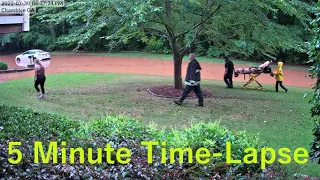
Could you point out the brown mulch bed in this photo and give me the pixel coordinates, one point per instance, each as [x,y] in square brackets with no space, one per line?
[168,91]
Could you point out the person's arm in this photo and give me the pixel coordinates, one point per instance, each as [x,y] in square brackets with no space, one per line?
[198,68]
[280,72]
[225,69]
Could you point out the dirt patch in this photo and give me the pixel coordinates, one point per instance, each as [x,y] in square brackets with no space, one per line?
[144,66]
[171,92]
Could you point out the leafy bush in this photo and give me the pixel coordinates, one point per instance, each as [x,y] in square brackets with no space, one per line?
[155,45]
[26,169]
[27,126]
[213,137]
[138,168]
[24,123]
[214,52]
[313,49]
[315,145]
[201,50]
[114,125]
[3,66]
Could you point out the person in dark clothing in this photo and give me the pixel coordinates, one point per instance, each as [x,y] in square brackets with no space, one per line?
[39,78]
[192,81]
[228,73]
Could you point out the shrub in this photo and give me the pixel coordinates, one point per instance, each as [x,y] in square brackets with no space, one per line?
[201,50]
[24,123]
[315,145]
[27,126]
[313,50]
[114,125]
[214,52]
[155,45]
[213,136]
[138,168]
[3,66]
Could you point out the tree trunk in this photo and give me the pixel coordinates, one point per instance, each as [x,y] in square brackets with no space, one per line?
[177,60]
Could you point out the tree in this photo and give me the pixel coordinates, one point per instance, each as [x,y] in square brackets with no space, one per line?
[314,57]
[182,21]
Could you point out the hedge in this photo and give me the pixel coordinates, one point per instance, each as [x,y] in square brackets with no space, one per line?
[27,126]
[3,65]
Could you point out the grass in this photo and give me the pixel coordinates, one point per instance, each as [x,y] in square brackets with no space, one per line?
[169,57]
[282,120]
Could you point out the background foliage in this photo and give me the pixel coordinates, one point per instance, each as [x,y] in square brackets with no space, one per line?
[243,29]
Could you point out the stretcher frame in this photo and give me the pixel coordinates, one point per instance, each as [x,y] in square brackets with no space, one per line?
[253,78]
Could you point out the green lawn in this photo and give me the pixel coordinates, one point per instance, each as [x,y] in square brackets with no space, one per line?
[169,57]
[282,120]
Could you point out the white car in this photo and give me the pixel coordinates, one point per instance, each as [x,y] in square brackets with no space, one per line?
[28,57]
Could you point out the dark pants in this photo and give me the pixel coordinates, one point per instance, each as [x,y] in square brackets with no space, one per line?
[41,79]
[277,84]
[196,89]
[228,80]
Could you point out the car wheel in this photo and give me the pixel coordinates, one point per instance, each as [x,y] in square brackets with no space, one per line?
[18,60]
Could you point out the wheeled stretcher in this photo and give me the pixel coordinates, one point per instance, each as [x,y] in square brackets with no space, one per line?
[254,73]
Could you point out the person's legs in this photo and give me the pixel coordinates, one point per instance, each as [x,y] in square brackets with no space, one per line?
[226,80]
[40,81]
[36,84]
[42,85]
[230,80]
[277,84]
[284,88]
[185,93]
[198,92]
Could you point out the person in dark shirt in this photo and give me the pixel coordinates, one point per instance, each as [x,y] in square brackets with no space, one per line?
[228,73]
[192,81]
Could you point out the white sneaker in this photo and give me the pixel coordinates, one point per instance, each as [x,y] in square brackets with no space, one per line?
[41,96]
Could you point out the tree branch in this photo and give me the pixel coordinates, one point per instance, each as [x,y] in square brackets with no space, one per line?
[161,20]
[186,48]
[201,22]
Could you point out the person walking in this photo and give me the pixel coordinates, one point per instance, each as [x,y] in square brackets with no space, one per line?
[228,72]
[279,76]
[39,78]
[192,81]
